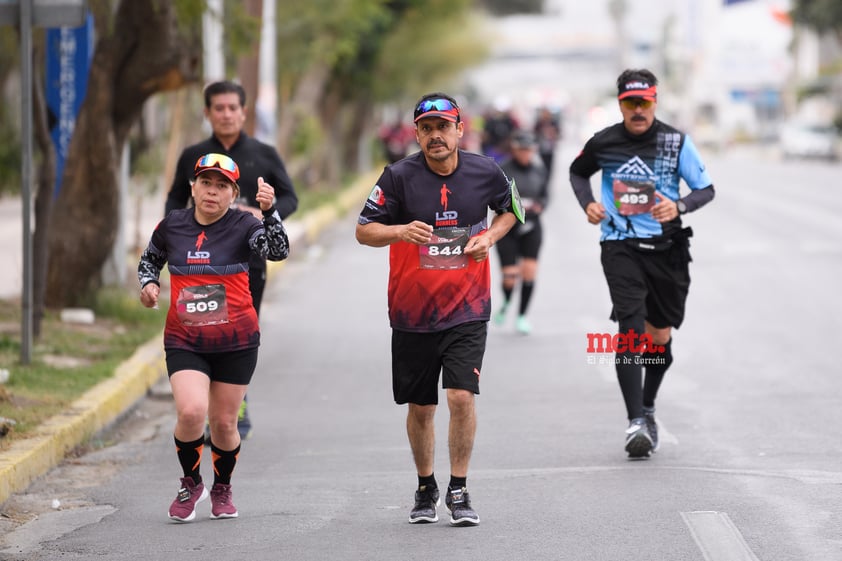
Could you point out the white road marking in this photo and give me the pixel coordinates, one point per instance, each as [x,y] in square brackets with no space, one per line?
[717,536]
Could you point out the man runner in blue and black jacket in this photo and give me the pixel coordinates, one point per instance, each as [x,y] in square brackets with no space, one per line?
[645,248]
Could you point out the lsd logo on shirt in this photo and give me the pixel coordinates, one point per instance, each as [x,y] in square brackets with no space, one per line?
[199,257]
[446,217]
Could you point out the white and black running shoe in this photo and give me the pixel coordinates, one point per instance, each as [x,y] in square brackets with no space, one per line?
[638,442]
[458,502]
[426,500]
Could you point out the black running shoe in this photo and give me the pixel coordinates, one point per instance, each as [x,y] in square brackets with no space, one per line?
[458,502]
[638,441]
[651,426]
[426,500]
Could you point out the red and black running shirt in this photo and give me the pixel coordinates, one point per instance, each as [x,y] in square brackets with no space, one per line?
[435,287]
[210,302]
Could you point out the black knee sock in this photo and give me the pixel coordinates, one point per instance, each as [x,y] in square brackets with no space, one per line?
[525,295]
[457,482]
[629,369]
[629,376]
[509,282]
[190,457]
[656,364]
[507,294]
[223,464]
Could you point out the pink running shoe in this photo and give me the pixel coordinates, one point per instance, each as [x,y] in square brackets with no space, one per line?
[221,505]
[183,508]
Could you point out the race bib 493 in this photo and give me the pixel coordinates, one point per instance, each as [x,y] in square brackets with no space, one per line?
[633,197]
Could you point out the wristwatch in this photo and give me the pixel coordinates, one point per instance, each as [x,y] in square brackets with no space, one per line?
[682,208]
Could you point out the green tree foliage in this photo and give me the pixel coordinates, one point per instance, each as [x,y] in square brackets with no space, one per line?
[411,62]
[510,7]
[338,60]
[10,152]
[820,15]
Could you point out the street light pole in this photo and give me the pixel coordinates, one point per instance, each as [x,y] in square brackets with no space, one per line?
[26,175]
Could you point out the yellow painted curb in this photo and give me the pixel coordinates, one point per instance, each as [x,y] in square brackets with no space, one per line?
[27,460]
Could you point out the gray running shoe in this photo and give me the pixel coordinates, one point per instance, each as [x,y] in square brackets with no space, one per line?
[426,500]
[638,441]
[458,502]
[651,426]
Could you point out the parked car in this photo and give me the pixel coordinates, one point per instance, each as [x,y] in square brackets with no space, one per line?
[810,140]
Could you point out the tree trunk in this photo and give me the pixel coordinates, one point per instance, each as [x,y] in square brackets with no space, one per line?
[43,197]
[138,54]
[361,116]
[305,101]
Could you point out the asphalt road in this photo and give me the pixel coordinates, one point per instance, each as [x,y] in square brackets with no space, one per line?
[749,467]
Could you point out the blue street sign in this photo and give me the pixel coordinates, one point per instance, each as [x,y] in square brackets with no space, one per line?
[69,54]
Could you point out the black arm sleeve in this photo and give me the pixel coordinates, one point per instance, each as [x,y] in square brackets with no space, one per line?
[698,198]
[582,190]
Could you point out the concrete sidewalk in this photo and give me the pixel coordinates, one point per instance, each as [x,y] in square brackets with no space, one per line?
[26,460]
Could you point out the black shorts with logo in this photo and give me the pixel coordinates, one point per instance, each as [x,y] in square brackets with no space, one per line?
[419,358]
[648,278]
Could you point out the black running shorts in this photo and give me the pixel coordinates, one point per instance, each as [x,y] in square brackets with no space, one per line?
[523,240]
[644,282]
[419,358]
[236,367]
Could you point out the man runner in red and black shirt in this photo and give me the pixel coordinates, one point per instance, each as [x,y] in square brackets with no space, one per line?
[431,209]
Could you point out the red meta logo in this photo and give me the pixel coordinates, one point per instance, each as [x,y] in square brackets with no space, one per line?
[622,342]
